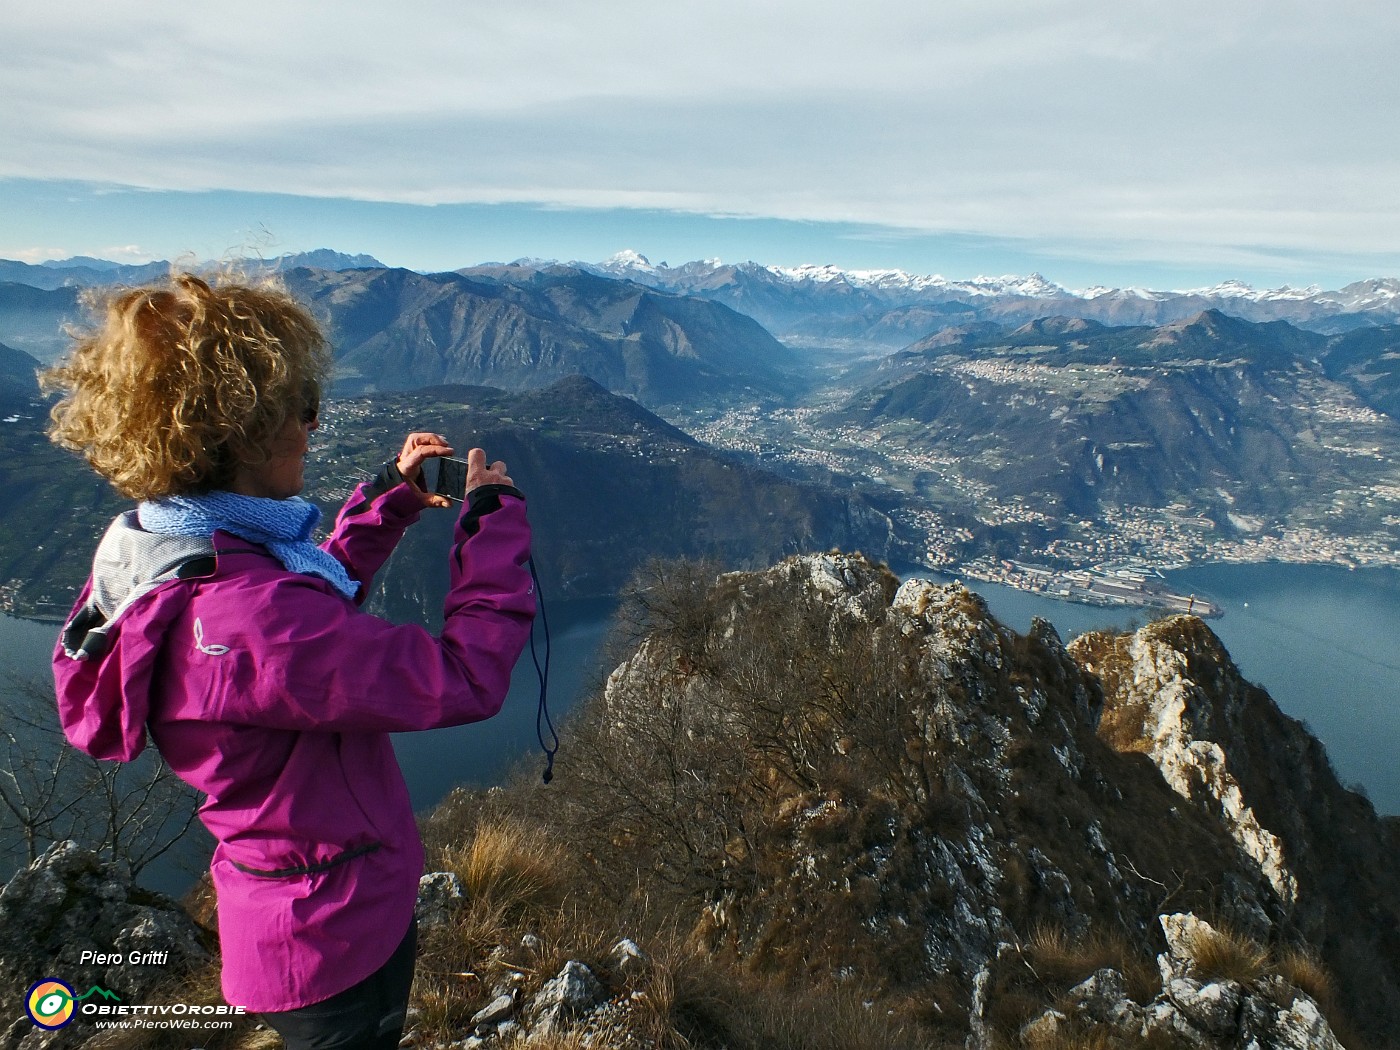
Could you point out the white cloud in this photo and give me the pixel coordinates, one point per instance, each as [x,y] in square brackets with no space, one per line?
[126,253]
[1191,126]
[34,255]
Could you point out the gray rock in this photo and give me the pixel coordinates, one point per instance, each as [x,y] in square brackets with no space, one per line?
[1214,1007]
[440,897]
[71,901]
[627,959]
[568,995]
[1103,999]
[494,1012]
[1182,931]
[1302,1027]
[1049,1026]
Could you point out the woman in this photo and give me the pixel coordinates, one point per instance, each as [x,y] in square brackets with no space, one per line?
[214,622]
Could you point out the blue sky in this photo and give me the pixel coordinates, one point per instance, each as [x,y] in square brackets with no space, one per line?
[1171,146]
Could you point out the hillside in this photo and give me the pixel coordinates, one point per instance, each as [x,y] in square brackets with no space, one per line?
[395,329]
[1199,433]
[32,319]
[922,824]
[17,384]
[999,433]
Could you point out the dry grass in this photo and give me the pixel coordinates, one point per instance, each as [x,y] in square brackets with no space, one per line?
[711,1005]
[515,882]
[1084,1036]
[1092,1040]
[1049,963]
[570,1040]
[1302,969]
[1063,961]
[1224,955]
[514,867]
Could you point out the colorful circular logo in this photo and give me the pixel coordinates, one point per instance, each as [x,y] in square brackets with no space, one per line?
[50,1003]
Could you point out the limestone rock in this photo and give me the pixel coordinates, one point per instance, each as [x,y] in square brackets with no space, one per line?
[566,996]
[71,901]
[494,1012]
[627,959]
[440,896]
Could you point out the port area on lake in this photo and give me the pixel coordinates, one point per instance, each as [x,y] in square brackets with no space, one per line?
[1130,584]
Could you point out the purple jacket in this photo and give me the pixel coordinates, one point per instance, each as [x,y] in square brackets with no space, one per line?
[274,696]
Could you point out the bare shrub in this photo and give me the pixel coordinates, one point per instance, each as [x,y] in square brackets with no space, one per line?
[1122,725]
[132,813]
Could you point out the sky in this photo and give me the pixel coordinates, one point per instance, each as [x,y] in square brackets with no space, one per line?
[1094,141]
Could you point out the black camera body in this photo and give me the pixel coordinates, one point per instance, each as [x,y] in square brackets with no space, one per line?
[446,476]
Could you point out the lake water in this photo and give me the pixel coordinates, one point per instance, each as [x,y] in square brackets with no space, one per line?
[1319,639]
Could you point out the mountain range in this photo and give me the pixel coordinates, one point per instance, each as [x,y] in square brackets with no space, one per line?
[1216,425]
[890,308]
[396,329]
[1060,436]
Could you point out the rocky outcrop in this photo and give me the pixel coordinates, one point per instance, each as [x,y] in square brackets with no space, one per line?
[824,778]
[574,1000]
[874,782]
[1193,1009]
[1184,727]
[73,916]
[1224,747]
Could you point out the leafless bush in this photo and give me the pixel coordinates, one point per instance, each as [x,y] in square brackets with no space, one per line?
[130,812]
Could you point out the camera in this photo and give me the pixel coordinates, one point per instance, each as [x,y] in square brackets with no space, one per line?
[446,476]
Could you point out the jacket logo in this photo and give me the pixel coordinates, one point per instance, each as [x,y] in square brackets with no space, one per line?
[209,650]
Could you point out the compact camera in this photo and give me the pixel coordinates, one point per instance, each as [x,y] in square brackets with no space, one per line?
[446,476]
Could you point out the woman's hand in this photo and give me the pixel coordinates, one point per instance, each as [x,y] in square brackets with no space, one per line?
[478,473]
[417,448]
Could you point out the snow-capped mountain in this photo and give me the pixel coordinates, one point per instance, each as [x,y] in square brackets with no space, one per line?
[884,307]
[635,266]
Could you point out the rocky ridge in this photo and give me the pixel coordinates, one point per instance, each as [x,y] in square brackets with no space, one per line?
[920,821]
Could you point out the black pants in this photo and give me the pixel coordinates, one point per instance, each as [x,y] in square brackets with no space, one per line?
[367,1016]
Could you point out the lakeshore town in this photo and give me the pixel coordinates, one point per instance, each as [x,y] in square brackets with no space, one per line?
[1118,560]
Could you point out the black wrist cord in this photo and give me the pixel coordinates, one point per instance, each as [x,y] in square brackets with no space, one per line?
[542,719]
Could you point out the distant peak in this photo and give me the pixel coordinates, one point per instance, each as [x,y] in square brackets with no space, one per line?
[1059,326]
[327,259]
[627,259]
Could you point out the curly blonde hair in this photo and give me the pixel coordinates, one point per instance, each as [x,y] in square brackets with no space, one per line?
[180,383]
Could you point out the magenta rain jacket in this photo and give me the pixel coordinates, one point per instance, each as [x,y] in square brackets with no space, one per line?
[274,695]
